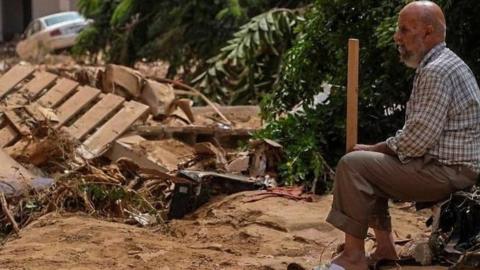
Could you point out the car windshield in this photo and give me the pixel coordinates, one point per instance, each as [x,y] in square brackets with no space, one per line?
[62,18]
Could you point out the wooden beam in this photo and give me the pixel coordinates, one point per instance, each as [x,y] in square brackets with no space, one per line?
[96,144]
[13,77]
[17,122]
[352,94]
[30,90]
[124,148]
[76,103]
[59,92]
[7,135]
[99,112]
[41,81]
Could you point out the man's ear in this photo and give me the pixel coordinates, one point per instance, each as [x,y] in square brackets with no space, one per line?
[429,30]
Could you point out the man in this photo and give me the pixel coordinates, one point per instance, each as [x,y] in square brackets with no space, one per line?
[435,153]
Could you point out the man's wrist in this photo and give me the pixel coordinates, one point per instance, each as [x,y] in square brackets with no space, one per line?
[382,147]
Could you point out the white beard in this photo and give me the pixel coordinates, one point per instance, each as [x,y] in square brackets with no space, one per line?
[411,59]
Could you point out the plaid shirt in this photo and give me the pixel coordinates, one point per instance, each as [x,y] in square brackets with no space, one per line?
[442,114]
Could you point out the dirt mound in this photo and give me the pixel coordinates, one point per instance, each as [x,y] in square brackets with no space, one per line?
[228,233]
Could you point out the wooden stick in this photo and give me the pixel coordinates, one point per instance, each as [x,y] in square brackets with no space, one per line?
[352,94]
[184,86]
[7,213]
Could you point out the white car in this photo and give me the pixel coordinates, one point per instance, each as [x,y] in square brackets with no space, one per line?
[50,33]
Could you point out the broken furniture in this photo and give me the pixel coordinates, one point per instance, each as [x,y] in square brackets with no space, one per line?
[88,115]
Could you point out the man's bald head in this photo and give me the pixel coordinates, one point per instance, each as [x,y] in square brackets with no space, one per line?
[428,13]
[421,26]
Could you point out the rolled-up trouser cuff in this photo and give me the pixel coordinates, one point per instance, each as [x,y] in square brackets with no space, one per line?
[347,224]
[382,223]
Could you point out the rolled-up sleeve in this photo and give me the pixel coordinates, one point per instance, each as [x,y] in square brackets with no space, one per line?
[426,119]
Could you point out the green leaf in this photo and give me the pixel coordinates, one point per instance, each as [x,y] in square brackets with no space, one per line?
[263,24]
[256,38]
[270,19]
[229,47]
[122,12]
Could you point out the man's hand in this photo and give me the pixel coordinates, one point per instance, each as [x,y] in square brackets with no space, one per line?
[363,147]
[380,147]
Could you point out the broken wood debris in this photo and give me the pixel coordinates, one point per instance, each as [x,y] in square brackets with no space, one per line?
[79,109]
[51,124]
[130,83]
[266,155]
[6,212]
[292,193]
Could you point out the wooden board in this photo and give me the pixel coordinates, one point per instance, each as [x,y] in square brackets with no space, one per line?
[30,90]
[17,122]
[41,114]
[41,81]
[7,135]
[123,148]
[75,103]
[87,122]
[60,91]
[14,76]
[113,128]
[352,94]
[12,172]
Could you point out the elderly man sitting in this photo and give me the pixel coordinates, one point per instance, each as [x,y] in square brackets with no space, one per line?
[437,151]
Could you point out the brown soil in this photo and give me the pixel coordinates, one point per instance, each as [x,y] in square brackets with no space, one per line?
[226,234]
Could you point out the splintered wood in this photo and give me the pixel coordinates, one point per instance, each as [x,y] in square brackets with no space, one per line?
[95,119]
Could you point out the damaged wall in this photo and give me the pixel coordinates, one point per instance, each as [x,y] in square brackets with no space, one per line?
[16,15]
[46,7]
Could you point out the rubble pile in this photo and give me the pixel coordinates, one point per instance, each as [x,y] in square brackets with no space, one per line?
[116,144]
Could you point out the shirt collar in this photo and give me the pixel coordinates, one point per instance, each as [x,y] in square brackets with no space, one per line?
[435,51]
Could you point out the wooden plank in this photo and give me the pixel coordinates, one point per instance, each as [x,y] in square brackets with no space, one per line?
[17,122]
[41,81]
[54,96]
[113,128]
[13,77]
[123,148]
[75,103]
[7,135]
[31,90]
[14,173]
[87,122]
[238,111]
[352,94]
[40,113]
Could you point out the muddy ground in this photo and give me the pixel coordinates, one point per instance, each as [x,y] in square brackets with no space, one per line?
[227,233]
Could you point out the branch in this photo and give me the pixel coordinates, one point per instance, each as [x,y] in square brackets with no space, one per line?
[7,213]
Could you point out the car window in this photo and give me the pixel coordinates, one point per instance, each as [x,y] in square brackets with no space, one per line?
[62,18]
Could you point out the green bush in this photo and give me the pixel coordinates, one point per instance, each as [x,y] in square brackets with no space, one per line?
[320,55]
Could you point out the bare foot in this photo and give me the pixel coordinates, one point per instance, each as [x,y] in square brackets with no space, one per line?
[382,254]
[385,247]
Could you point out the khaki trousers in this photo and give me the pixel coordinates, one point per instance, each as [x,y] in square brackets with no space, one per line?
[364,182]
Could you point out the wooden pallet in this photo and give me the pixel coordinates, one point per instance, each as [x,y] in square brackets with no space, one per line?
[93,118]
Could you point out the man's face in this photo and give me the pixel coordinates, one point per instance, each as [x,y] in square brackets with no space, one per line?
[409,38]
